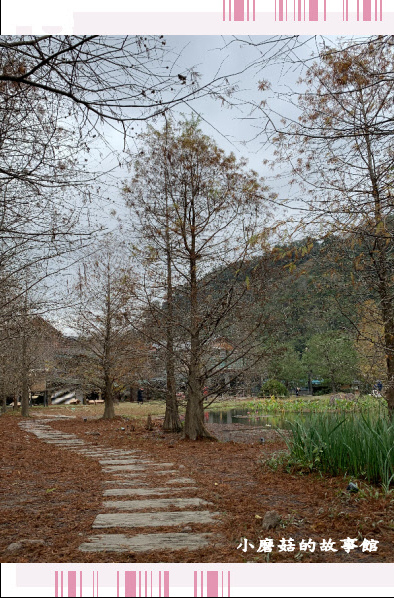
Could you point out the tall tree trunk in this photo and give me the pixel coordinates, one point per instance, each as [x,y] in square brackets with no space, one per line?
[310,386]
[389,346]
[387,309]
[172,422]
[382,268]
[194,419]
[109,407]
[25,376]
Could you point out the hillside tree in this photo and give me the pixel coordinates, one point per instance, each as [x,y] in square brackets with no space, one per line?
[340,158]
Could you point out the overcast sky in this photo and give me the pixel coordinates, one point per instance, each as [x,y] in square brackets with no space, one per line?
[237,129]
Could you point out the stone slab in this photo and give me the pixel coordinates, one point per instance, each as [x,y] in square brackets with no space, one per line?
[135,467]
[98,454]
[61,438]
[145,542]
[127,474]
[163,519]
[142,491]
[125,468]
[65,442]
[122,476]
[123,461]
[109,454]
[135,483]
[181,481]
[58,437]
[165,472]
[50,416]
[154,503]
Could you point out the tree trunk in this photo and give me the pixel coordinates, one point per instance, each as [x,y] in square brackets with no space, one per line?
[335,385]
[310,387]
[109,408]
[172,422]
[16,397]
[25,395]
[194,418]
[389,342]
[387,310]
[3,403]
[25,378]
[382,267]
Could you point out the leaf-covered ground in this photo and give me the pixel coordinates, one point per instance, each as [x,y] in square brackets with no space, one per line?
[53,495]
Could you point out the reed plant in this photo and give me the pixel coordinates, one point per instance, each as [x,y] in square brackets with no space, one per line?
[359,444]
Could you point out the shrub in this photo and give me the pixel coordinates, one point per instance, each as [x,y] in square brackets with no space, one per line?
[273,388]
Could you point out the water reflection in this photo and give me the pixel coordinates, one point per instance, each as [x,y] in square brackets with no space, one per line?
[251,418]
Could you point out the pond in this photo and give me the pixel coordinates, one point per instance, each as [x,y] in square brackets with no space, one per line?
[250,418]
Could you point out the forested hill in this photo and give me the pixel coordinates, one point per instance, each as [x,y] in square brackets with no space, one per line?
[309,288]
[318,292]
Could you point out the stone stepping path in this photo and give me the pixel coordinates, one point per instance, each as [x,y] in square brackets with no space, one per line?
[99,456]
[180,481]
[129,468]
[117,477]
[137,482]
[124,461]
[154,503]
[145,542]
[166,519]
[143,491]
[115,468]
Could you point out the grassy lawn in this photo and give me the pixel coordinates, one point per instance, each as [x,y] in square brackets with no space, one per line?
[157,408]
[133,410]
[290,404]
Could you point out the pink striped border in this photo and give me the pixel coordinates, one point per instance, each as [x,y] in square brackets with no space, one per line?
[197,577]
[236,10]
[212,584]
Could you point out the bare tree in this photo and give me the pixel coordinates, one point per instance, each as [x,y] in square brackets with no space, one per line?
[105,289]
[59,96]
[28,345]
[45,185]
[340,159]
[117,79]
[203,213]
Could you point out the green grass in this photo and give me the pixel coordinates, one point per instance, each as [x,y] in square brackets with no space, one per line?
[130,410]
[313,405]
[359,444]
